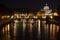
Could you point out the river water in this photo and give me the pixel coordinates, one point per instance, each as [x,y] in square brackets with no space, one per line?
[29,30]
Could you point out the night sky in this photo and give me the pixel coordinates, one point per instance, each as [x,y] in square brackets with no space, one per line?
[32,4]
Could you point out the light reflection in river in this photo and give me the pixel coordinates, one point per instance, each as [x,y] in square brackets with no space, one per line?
[53,31]
[6,33]
[34,27]
[39,29]
[15,26]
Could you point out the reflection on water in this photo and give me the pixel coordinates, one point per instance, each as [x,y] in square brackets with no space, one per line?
[6,33]
[53,31]
[29,30]
[39,30]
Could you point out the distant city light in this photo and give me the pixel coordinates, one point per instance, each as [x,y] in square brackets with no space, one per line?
[55,14]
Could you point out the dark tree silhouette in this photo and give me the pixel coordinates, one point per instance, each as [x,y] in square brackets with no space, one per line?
[58,18]
[4,10]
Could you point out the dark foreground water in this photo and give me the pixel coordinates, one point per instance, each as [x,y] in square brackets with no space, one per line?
[30,30]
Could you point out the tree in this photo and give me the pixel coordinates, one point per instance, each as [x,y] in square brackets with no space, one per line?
[4,10]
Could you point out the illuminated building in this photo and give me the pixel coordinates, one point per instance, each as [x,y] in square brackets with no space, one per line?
[43,13]
[47,10]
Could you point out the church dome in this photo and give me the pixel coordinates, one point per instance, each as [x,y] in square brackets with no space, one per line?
[46,7]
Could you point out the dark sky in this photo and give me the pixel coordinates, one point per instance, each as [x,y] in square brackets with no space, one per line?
[32,4]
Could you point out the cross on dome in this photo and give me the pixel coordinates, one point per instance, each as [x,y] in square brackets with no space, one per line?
[46,4]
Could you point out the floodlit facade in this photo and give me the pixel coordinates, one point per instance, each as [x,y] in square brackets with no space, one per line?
[46,11]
